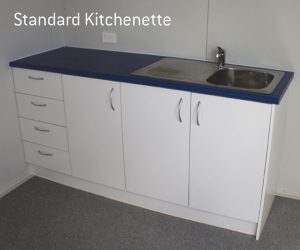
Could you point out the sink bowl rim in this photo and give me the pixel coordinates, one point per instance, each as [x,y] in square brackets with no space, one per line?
[209,68]
[277,76]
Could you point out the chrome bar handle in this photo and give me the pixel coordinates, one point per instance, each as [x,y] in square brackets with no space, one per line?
[41,129]
[38,104]
[198,108]
[111,99]
[36,78]
[179,110]
[44,154]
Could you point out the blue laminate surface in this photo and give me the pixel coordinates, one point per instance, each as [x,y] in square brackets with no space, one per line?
[118,66]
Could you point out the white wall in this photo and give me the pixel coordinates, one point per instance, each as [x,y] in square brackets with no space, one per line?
[186,37]
[16,43]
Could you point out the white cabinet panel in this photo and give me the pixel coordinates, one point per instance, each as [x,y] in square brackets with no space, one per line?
[228,154]
[156,143]
[38,83]
[50,158]
[41,109]
[93,114]
[44,133]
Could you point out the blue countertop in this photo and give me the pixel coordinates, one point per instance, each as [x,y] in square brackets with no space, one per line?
[118,66]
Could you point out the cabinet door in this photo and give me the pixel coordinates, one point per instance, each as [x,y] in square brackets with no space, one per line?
[93,114]
[156,124]
[229,140]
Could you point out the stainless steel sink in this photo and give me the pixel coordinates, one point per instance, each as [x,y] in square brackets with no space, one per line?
[207,73]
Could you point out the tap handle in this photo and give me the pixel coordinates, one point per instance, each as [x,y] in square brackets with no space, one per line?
[220,51]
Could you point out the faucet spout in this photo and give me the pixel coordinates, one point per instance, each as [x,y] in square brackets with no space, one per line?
[220,57]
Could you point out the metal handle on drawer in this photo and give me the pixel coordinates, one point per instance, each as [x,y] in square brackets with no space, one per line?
[198,110]
[44,154]
[36,78]
[179,110]
[111,99]
[39,104]
[41,129]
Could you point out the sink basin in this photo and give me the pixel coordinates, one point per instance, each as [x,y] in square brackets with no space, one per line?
[241,78]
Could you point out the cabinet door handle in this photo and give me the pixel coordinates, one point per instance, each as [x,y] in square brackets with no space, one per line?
[44,154]
[179,110]
[36,78]
[198,110]
[41,129]
[39,104]
[111,99]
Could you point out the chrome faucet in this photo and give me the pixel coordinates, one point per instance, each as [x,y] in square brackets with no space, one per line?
[220,57]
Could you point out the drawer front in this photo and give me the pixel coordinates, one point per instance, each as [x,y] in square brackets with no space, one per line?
[38,83]
[41,109]
[50,158]
[44,133]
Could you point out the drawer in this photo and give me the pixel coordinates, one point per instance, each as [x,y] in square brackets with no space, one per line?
[41,109]
[44,133]
[50,158]
[38,83]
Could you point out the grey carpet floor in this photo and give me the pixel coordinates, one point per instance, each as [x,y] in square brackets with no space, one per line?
[43,215]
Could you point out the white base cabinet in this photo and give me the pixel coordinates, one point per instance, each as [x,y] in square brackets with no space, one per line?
[93,114]
[229,140]
[156,125]
[205,158]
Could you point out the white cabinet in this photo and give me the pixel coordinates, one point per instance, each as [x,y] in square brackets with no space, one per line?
[213,156]
[156,124]
[229,140]
[93,114]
